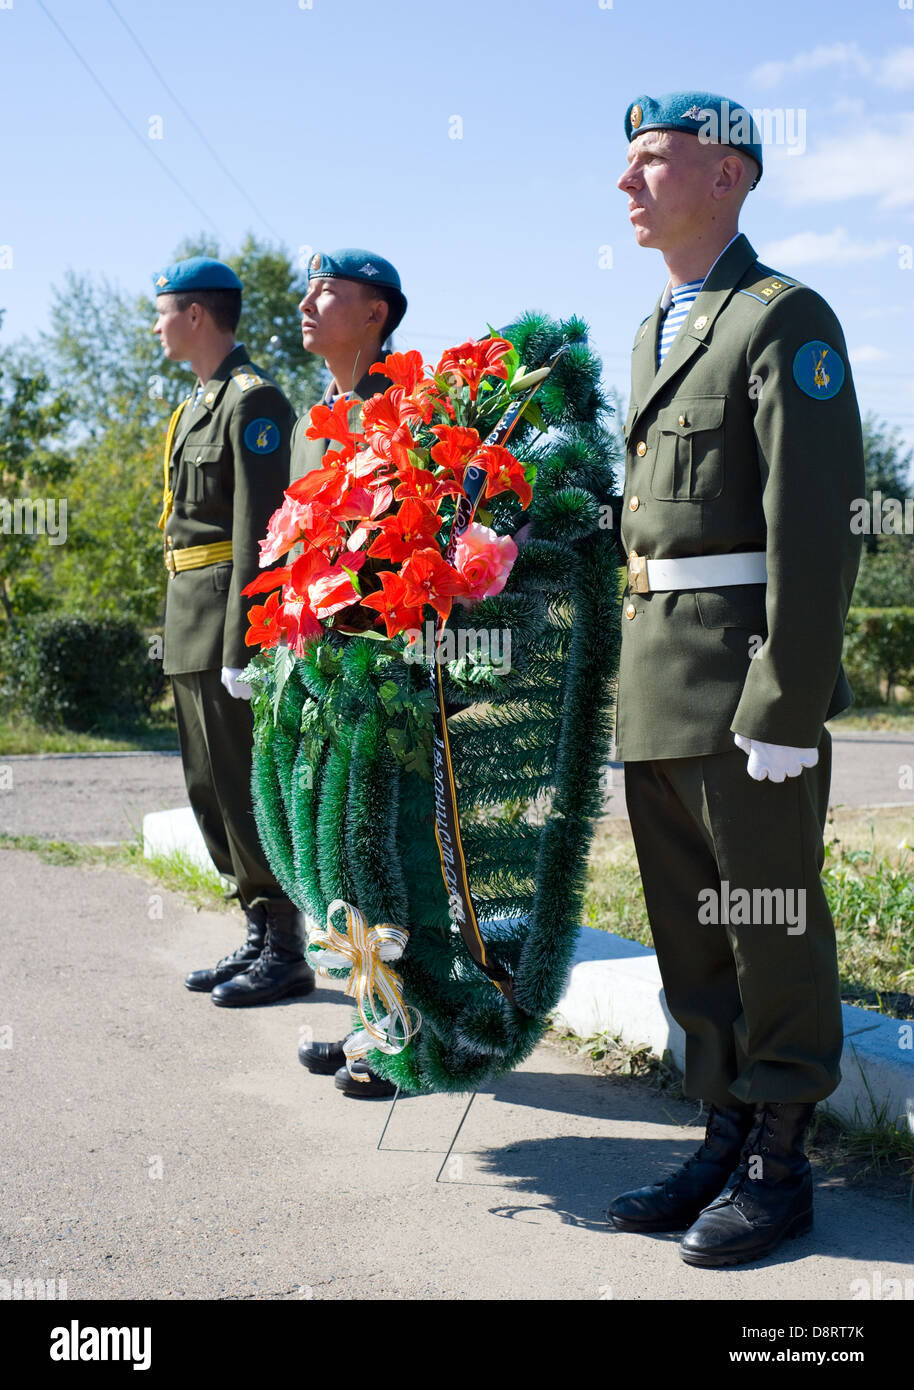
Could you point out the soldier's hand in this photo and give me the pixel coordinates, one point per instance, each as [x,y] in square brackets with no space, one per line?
[233,685]
[775,760]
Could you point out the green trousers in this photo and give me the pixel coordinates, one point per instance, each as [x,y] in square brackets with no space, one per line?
[757,997]
[216,734]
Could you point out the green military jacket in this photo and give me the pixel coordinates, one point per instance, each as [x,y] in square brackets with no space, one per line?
[748,438]
[308,453]
[229,470]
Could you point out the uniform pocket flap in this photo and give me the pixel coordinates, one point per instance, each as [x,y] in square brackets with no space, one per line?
[204,453]
[740,605]
[687,417]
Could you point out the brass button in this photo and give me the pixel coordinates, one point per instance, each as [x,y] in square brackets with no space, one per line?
[209,397]
[630,610]
[641,449]
[682,420]
[634,503]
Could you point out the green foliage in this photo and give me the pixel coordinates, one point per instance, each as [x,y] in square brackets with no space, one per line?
[80,674]
[879,651]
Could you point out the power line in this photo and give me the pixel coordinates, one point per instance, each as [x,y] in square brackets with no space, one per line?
[127,122]
[190,120]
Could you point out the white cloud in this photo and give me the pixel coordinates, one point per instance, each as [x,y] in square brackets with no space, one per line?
[898,69]
[862,356]
[824,248]
[846,56]
[872,163]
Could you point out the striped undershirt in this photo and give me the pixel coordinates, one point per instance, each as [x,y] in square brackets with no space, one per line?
[683,297]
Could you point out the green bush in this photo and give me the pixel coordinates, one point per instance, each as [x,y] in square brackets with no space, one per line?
[879,652]
[79,673]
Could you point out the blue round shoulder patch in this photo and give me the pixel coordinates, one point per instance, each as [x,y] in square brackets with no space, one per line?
[818,370]
[262,436]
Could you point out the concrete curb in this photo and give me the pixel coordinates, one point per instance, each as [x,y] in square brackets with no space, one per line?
[615,987]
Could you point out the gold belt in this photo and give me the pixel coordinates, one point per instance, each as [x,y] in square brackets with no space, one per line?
[194,557]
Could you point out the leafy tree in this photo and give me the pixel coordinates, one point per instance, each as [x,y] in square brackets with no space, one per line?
[33,469]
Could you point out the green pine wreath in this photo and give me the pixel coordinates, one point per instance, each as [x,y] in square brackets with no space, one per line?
[341,776]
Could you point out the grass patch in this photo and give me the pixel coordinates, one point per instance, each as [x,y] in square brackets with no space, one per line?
[203,887]
[874,718]
[869,881]
[20,735]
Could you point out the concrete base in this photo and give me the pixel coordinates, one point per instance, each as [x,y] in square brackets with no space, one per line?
[615,987]
[168,832]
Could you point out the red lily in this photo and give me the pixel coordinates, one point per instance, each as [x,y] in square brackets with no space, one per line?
[265,630]
[334,589]
[385,431]
[299,623]
[401,369]
[430,579]
[420,483]
[412,527]
[270,579]
[332,422]
[392,606]
[506,473]
[456,445]
[470,362]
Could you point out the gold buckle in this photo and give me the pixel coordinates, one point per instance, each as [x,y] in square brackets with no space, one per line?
[637,573]
[169,558]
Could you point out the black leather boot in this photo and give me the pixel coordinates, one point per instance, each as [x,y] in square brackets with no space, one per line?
[369,1089]
[673,1203]
[768,1197]
[279,970]
[239,960]
[323,1058]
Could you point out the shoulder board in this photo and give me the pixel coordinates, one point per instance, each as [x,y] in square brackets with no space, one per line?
[244,378]
[767,287]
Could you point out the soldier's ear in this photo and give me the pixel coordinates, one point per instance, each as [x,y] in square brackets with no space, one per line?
[379,311]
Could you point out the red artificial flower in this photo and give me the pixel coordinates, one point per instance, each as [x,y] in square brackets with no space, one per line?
[423,485]
[392,605]
[332,422]
[506,473]
[470,362]
[456,445]
[412,527]
[387,434]
[299,623]
[401,369]
[334,589]
[270,579]
[430,579]
[264,628]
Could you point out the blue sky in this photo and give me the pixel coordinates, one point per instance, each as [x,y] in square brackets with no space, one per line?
[338,121]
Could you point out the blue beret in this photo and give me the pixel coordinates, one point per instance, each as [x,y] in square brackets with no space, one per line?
[714,119]
[197,273]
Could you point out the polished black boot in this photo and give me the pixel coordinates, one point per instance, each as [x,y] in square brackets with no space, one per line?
[325,1059]
[370,1089]
[673,1203]
[768,1197]
[240,959]
[279,970]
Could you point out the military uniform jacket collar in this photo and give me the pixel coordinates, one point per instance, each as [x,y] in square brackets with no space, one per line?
[723,278]
[211,393]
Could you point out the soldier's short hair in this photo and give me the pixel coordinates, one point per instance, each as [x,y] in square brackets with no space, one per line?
[396,307]
[223,306]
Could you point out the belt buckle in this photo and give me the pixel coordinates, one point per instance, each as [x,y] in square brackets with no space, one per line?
[637,573]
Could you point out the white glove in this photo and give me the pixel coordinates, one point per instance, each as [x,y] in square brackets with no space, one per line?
[775,760]
[233,685]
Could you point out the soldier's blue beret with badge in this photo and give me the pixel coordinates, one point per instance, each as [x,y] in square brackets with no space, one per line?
[353,263]
[196,273]
[714,119]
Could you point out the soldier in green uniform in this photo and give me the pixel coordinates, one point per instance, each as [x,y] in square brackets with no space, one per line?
[353,305]
[744,453]
[226,468]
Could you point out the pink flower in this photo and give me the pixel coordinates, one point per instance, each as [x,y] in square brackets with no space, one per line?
[285,528]
[484,559]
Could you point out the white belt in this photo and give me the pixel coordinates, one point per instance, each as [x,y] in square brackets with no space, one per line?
[696,571]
